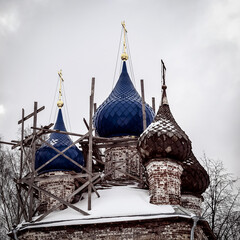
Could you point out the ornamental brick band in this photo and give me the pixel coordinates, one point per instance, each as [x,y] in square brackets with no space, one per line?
[61,185]
[128,159]
[164,177]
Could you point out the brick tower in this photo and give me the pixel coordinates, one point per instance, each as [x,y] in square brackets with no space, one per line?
[175,176]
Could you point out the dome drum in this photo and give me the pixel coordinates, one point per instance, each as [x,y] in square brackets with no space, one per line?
[164,181]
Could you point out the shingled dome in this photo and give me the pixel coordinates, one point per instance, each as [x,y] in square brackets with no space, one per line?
[60,142]
[194,177]
[163,137]
[121,113]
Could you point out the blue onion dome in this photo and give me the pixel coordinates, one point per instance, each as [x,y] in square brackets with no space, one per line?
[194,178]
[164,138]
[121,113]
[59,141]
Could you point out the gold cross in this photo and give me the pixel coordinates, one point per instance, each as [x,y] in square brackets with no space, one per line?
[60,102]
[124,26]
[124,55]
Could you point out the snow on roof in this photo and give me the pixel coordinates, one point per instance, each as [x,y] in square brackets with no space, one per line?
[118,203]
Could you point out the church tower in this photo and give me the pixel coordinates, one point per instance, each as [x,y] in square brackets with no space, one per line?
[120,116]
[175,176]
[56,171]
[167,203]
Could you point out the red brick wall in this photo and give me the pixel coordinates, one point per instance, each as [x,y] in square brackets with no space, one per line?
[58,183]
[192,203]
[128,157]
[164,177]
[178,229]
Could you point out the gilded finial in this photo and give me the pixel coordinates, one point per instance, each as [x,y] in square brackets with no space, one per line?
[60,102]
[124,55]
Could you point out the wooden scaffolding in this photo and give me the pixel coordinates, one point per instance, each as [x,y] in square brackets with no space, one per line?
[91,147]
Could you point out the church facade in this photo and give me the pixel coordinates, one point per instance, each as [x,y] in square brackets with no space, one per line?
[150,184]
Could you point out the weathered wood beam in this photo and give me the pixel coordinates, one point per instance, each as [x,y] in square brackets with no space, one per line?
[95,107]
[46,131]
[62,153]
[130,175]
[143,106]
[31,137]
[153,104]
[107,174]
[8,143]
[86,124]
[22,207]
[31,115]
[30,209]
[67,199]
[99,161]
[90,145]
[25,202]
[21,161]
[59,199]
[113,145]
[125,139]
[72,176]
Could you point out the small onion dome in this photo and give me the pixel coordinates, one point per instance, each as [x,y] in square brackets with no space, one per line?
[194,177]
[121,113]
[59,141]
[163,137]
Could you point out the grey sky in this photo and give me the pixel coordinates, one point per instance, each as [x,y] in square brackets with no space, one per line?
[198,40]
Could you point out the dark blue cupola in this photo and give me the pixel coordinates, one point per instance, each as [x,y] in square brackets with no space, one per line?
[121,113]
[59,141]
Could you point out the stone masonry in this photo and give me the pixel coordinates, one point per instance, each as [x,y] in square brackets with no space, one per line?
[164,177]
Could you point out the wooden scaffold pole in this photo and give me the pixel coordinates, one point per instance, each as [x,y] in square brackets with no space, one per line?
[143,106]
[153,104]
[33,160]
[19,189]
[90,150]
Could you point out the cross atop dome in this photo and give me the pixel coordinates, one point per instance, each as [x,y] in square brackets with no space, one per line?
[60,102]
[164,86]
[124,55]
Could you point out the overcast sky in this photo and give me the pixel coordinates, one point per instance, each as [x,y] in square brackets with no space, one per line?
[199,42]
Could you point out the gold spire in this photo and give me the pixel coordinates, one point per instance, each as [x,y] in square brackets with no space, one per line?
[60,102]
[124,55]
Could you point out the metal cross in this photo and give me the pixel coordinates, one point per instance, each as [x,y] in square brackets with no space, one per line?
[60,87]
[124,26]
[163,71]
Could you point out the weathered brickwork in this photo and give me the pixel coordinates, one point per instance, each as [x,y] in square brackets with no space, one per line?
[192,203]
[58,183]
[164,177]
[180,229]
[128,160]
